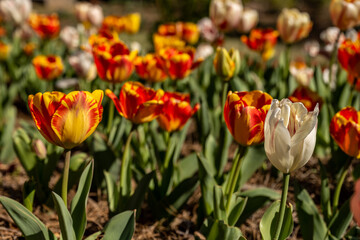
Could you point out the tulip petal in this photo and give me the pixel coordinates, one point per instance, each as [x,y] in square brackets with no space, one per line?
[76,118]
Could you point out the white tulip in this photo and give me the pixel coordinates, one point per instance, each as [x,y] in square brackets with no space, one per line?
[70,36]
[290,134]
[17,11]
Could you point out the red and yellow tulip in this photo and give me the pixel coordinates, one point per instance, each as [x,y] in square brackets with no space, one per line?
[129,23]
[162,42]
[345,130]
[48,67]
[244,114]
[178,63]
[176,111]
[114,61]
[307,97]
[46,26]
[137,103]
[66,120]
[186,31]
[349,58]
[262,41]
[149,68]
[4,50]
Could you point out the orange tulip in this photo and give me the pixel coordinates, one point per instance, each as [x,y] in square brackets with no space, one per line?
[137,103]
[301,72]
[309,98]
[244,114]
[161,42]
[48,67]
[186,31]
[66,120]
[178,63]
[114,61]
[149,68]
[46,26]
[349,58]
[103,36]
[4,50]
[263,41]
[345,130]
[176,111]
[129,23]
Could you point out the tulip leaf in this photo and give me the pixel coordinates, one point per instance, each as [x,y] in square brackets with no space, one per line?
[30,226]
[65,220]
[182,192]
[79,202]
[22,147]
[341,220]
[180,142]
[7,153]
[120,227]
[325,193]
[253,159]
[186,167]
[353,233]
[207,183]
[204,121]
[112,192]
[344,96]
[29,194]
[125,174]
[223,150]
[312,226]
[219,204]
[217,229]
[257,198]
[269,222]
[93,236]
[237,208]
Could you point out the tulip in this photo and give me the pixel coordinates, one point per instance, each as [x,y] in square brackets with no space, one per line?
[29,48]
[39,148]
[293,25]
[149,68]
[66,120]
[70,36]
[83,64]
[16,11]
[137,103]
[186,31]
[114,61]
[190,32]
[5,50]
[345,13]
[227,64]
[48,67]
[345,130]
[244,114]
[89,14]
[46,26]
[132,23]
[290,134]
[312,48]
[262,41]
[355,202]
[178,63]
[176,111]
[203,51]
[248,20]
[208,30]
[225,14]
[349,58]
[307,97]
[301,73]
[163,42]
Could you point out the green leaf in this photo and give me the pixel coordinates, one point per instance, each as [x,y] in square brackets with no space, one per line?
[207,183]
[79,202]
[325,193]
[137,198]
[182,192]
[219,204]
[341,220]
[269,222]
[7,153]
[180,142]
[223,150]
[218,230]
[22,147]
[66,223]
[237,209]
[93,236]
[257,198]
[353,233]
[29,194]
[186,167]
[112,192]
[30,226]
[312,226]
[125,174]
[120,227]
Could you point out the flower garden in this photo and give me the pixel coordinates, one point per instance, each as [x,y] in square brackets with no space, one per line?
[104,138]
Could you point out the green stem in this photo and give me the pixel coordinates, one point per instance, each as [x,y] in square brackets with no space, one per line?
[333,57]
[282,205]
[124,163]
[338,189]
[234,175]
[65,179]
[111,113]
[224,95]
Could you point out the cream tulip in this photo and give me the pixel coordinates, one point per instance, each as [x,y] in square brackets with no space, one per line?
[345,14]
[290,134]
[226,14]
[248,20]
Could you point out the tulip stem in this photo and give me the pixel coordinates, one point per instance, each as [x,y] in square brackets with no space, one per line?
[333,56]
[282,204]
[65,179]
[339,186]
[224,95]
[111,113]
[234,175]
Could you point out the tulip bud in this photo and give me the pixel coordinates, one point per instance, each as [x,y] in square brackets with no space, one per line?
[293,25]
[39,148]
[302,73]
[344,14]
[248,20]
[290,134]
[226,64]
